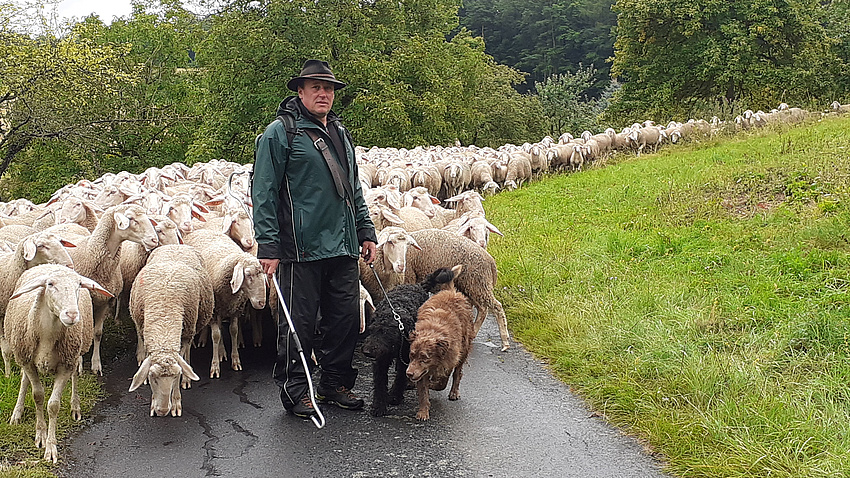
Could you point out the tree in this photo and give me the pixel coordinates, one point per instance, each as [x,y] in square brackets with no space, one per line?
[670,53]
[566,104]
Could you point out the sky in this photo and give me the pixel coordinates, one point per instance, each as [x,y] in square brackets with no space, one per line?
[106,9]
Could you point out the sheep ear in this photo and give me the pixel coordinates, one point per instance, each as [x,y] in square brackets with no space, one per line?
[457,270]
[214,202]
[187,369]
[166,208]
[92,285]
[179,237]
[29,249]
[200,207]
[493,229]
[152,222]
[414,243]
[390,216]
[196,213]
[67,243]
[30,286]
[238,277]
[122,221]
[434,200]
[141,375]
[226,223]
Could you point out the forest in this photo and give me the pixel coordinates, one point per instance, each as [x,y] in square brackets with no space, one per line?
[194,81]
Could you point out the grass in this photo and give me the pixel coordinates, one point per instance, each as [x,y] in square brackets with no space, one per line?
[697,297]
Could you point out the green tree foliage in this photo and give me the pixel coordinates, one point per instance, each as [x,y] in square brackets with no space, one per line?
[545,37]
[408,84]
[95,99]
[566,104]
[670,54]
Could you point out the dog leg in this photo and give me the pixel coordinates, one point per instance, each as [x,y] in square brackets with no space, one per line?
[399,383]
[454,393]
[379,393]
[424,400]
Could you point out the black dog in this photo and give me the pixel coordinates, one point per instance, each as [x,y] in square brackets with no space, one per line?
[385,342]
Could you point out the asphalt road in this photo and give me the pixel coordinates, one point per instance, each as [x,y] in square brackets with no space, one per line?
[513,420]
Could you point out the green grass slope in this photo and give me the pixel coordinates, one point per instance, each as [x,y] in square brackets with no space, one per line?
[697,297]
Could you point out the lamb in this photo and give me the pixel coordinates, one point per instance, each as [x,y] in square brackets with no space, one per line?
[171,298]
[390,264]
[98,257]
[440,248]
[36,249]
[440,345]
[385,342]
[236,277]
[49,324]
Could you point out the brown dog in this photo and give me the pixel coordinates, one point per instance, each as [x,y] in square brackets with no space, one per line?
[440,344]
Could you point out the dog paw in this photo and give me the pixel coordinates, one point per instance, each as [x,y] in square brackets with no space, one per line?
[378,411]
[422,415]
[454,396]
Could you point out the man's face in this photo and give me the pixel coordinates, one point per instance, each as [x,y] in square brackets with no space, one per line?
[317,96]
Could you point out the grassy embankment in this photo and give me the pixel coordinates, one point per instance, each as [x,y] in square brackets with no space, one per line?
[697,297]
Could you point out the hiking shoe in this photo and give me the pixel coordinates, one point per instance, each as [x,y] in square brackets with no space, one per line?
[303,408]
[341,397]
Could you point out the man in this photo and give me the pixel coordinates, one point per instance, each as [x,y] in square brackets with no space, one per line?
[311,223]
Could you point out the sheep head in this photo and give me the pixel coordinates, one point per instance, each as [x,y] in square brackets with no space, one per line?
[58,288]
[394,241]
[163,370]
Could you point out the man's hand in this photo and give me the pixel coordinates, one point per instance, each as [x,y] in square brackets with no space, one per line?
[368,251]
[269,265]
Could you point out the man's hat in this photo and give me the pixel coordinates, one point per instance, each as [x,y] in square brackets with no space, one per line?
[315,70]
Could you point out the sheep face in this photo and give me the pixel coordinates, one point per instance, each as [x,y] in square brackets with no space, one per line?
[163,370]
[46,248]
[394,243]
[134,225]
[248,275]
[72,211]
[239,227]
[166,231]
[478,229]
[59,289]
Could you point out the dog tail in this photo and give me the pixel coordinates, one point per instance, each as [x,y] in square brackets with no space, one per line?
[440,279]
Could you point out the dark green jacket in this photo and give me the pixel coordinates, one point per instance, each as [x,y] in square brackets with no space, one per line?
[298,214]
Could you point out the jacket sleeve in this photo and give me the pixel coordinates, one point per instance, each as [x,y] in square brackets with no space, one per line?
[269,170]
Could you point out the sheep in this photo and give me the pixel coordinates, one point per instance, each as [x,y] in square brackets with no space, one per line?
[482,178]
[474,227]
[383,217]
[76,210]
[519,171]
[413,219]
[236,224]
[98,257]
[420,198]
[500,168]
[648,135]
[389,266]
[468,201]
[49,325]
[438,248]
[839,108]
[427,176]
[236,277]
[456,178]
[171,298]
[36,249]
[181,208]
[15,232]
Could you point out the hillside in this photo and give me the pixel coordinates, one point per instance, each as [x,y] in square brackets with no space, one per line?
[697,297]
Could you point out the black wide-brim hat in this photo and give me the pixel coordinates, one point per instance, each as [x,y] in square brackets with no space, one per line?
[315,70]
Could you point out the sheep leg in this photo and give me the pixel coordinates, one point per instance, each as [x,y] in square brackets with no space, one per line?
[424,400]
[18,411]
[186,352]
[7,357]
[454,392]
[257,329]
[176,402]
[38,398]
[141,353]
[99,315]
[502,321]
[235,362]
[215,331]
[203,335]
[480,315]
[76,411]
[50,451]
[240,334]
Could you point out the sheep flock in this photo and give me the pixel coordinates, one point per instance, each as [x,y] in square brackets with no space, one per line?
[426,204]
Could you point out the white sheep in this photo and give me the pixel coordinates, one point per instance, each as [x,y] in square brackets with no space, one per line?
[98,257]
[519,171]
[49,326]
[482,178]
[390,261]
[473,226]
[36,249]
[171,298]
[237,277]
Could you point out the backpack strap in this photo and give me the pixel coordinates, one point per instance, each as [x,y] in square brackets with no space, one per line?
[289,125]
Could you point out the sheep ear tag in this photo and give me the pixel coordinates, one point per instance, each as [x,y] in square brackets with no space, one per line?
[29,249]
[238,277]
[122,221]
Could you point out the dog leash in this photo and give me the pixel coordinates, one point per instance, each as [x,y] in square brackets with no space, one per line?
[320,421]
[396,316]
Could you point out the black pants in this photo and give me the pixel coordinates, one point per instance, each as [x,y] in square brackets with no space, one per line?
[329,286]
